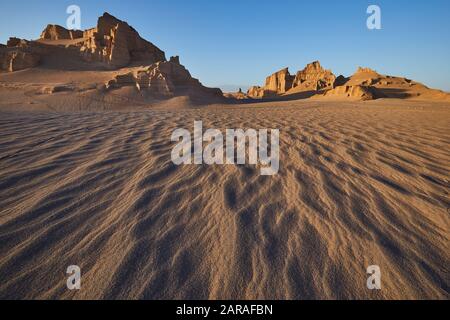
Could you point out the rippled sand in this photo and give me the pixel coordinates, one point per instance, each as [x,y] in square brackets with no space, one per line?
[359,184]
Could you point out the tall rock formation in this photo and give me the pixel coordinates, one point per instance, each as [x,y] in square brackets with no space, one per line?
[276,84]
[314,78]
[279,82]
[116,44]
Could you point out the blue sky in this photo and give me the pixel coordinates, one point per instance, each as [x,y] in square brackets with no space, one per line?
[228,42]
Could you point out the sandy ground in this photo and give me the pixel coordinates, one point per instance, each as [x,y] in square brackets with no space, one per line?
[359,184]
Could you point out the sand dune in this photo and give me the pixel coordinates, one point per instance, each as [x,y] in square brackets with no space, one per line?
[359,184]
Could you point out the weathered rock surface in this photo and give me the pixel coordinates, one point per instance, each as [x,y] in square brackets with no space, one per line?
[340,81]
[314,78]
[16,42]
[356,92]
[116,44]
[163,78]
[112,44]
[279,82]
[56,32]
[257,92]
[364,77]
[276,84]
[15,59]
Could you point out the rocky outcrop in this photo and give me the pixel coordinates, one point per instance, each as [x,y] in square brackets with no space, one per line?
[17,58]
[16,42]
[365,70]
[56,32]
[257,92]
[112,44]
[340,81]
[116,44]
[164,79]
[314,78]
[239,95]
[355,92]
[279,82]
[276,84]
[364,77]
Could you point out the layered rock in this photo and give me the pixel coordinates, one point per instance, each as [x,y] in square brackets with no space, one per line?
[364,77]
[314,78]
[355,92]
[279,82]
[56,32]
[17,55]
[116,44]
[16,42]
[257,92]
[164,78]
[112,44]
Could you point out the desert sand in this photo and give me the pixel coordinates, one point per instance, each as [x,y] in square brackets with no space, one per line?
[86,179]
[360,183]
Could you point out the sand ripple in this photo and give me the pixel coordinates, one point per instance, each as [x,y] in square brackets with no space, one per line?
[358,185]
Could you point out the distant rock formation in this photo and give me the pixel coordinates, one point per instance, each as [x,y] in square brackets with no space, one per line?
[365,77]
[368,84]
[279,82]
[56,32]
[239,95]
[257,92]
[364,84]
[312,78]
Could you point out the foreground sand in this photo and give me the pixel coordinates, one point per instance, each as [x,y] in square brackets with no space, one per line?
[359,184]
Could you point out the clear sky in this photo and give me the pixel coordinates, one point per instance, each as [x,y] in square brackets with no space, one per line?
[239,43]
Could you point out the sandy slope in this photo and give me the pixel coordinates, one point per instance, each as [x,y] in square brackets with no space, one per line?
[359,184]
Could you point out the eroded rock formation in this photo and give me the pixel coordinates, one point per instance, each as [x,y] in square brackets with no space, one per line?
[356,92]
[17,55]
[312,78]
[112,44]
[279,82]
[163,78]
[56,32]
[117,44]
[276,84]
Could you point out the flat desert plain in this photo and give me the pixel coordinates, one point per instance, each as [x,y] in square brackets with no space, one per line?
[359,184]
